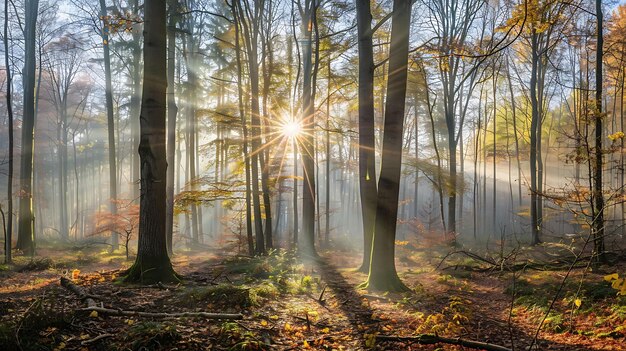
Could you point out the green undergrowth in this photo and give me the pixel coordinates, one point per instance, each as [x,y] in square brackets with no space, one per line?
[279,271]
[253,281]
[591,299]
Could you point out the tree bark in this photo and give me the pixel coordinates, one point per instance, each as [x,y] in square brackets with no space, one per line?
[382,274]
[172,111]
[534,122]
[26,235]
[153,263]
[9,92]
[598,220]
[110,123]
[367,140]
[307,149]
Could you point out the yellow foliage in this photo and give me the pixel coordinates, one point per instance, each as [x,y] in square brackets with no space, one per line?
[616,136]
[617,283]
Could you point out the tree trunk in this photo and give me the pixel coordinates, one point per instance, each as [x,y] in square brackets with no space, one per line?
[110,123]
[153,264]
[382,274]
[244,128]
[327,185]
[9,92]
[308,126]
[367,148]
[250,35]
[534,122]
[135,105]
[598,220]
[26,235]
[172,111]
[517,154]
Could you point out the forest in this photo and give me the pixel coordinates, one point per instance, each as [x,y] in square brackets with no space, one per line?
[313,175]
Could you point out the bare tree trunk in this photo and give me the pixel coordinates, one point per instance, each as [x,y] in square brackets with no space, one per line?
[250,35]
[515,134]
[135,105]
[327,198]
[172,111]
[153,264]
[244,128]
[534,123]
[598,219]
[110,123]
[382,274]
[26,235]
[9,92]
[308,125]
[367,142]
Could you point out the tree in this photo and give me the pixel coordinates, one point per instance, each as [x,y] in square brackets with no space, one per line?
[9,224]
[63,61]
[367,151]
[153,264]
[598,205]
[250,22]
[454,27]
[382,273]
[307,147]
[26,235]
[172,111]
[110,120]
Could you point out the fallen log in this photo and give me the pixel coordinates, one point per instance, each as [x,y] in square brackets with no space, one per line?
[208,315]
[78,291]
[429,339]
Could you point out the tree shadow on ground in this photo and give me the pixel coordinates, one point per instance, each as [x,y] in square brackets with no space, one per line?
[353,305]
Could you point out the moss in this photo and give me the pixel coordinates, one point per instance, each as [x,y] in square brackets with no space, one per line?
[389,282]
[151,270]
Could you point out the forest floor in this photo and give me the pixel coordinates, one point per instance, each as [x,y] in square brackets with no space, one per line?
[290,305]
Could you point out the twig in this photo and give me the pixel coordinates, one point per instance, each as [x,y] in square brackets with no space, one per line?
[208,315]
[429,339]
[319,299]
